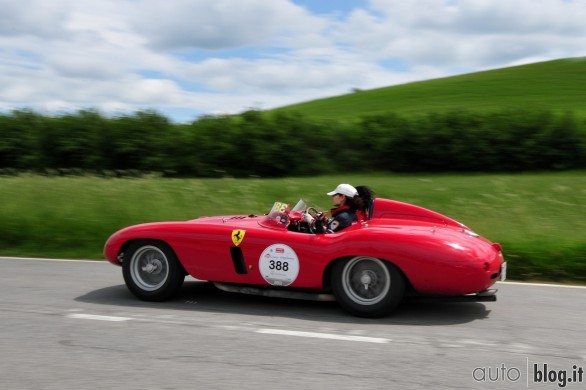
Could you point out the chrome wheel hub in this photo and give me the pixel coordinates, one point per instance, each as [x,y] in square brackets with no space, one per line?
[149,268]
[154,266]
[366,280]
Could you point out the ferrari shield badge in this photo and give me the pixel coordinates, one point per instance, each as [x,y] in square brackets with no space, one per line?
[238,236]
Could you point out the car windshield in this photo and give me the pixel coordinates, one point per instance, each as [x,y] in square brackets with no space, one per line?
[279,215]
[300,206]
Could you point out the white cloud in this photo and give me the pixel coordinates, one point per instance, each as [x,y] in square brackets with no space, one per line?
[218,24]
[230,55]
[32,18]
[474,33]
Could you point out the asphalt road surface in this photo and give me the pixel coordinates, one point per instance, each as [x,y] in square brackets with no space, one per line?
[74,325]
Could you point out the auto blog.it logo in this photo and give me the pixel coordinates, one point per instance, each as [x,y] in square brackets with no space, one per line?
[535,373]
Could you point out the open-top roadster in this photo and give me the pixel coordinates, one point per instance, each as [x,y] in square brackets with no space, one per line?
[367,268]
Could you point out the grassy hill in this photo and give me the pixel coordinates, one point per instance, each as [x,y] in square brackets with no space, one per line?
[558,85]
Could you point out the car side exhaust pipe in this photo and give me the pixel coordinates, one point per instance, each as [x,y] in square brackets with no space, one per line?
[274,293]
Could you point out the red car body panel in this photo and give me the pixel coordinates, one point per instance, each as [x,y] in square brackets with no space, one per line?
[437,255]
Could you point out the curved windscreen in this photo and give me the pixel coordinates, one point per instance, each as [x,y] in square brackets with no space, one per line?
[280,214]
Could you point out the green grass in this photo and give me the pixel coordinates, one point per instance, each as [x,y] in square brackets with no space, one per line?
[539,218]
[558,85]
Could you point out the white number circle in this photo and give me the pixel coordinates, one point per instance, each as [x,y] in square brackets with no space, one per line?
[279,265]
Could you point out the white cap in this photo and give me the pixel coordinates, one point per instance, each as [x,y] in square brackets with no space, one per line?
[344,189]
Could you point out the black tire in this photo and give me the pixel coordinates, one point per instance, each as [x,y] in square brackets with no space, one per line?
[151,270]
[367,287]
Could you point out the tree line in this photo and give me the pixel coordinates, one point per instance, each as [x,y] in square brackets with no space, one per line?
[256,143]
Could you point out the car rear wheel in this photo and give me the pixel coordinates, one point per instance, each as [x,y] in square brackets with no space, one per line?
[367,286]
[151,270]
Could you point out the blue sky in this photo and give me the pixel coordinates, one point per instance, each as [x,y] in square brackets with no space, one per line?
[187,58]
[331,6]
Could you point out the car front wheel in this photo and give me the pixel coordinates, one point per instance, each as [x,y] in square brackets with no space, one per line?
[367,286]
[151,270]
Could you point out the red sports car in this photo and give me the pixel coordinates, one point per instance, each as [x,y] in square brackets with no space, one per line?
[367,268]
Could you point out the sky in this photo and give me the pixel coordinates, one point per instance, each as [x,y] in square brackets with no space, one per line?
[188,58]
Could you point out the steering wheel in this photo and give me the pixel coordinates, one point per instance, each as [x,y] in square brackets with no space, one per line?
[312,211]
[316,215]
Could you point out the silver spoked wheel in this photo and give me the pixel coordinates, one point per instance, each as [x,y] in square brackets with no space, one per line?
[149,268]
[366,280]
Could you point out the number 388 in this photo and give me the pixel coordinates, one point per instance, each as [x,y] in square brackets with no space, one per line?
[279,265]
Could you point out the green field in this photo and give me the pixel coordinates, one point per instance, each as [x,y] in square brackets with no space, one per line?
[558,85]
[539,218]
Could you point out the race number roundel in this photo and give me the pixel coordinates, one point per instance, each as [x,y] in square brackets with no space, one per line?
[279,265]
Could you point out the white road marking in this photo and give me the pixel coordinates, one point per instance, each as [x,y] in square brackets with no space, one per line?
[96,317]
[57,260]
[542,284]
[328,336]
[281,332]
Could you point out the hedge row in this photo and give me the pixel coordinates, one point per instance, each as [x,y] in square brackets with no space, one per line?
[259,144]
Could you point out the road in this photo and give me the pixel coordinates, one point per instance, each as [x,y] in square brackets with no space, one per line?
[74,325]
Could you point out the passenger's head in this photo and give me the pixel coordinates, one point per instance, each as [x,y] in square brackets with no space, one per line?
[366,195]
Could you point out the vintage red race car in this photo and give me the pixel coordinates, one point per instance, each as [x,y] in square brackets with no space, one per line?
[367,268]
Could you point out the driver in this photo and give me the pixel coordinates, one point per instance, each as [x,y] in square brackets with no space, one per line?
[343,213]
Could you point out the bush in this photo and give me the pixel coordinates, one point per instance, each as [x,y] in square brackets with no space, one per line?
[258,144]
